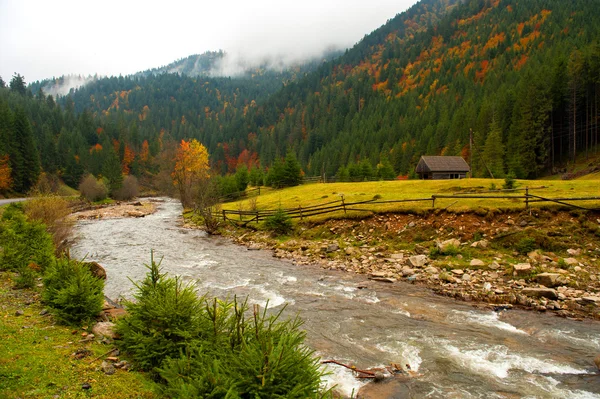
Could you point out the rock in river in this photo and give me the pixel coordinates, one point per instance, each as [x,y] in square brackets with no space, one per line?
[540,293]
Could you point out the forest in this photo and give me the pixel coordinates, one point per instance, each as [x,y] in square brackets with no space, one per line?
[512,89]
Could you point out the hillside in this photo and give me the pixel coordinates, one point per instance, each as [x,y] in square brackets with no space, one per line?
[514,89]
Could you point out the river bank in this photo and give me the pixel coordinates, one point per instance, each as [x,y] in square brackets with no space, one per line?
[138,208]
[540,260]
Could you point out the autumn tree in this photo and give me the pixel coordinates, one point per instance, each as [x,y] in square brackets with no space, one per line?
[191,167]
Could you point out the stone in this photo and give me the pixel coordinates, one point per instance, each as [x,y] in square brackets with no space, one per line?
[549,280]
[535,255]
[253,247]
[397,256]
[597,361]
[482,244]
[540,293]
[86,386]
[477,263]
[407,271]
[571,261]
[591,299]
[466,277]
[522,269]
[19,313]
[421,250]
[349,250]
[494,265]
[378,274]
[384,279]
[577,268]
[417,260]
[411,224]
[332,248]
[96,269]
[487,286]
[432,270]
[108,368]
[43,312]
[444,245]
[574,252]
[136,214]
[458,272]
[104,329]
[113,314]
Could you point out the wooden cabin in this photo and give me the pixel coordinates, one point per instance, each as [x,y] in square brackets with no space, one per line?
[441,167]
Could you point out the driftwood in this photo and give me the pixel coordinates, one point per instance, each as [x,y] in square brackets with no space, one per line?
[376,374]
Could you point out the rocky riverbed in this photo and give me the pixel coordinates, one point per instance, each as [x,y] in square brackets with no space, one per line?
[117,210]
[540,260]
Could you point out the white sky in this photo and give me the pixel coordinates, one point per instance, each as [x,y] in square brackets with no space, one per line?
[45,38]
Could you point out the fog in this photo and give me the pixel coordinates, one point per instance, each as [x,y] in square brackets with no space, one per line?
[41,39]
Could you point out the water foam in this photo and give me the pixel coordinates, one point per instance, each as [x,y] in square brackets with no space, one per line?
[271,298]
[405,353]
[343,380]
[588,340]
[490,319]
[550,385]
[496,360]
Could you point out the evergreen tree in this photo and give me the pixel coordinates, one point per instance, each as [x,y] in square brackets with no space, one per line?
[111,170]
[26,165]
[292,172]
[17,84]
[493,152]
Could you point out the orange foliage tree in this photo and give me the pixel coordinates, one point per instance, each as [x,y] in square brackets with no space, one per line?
[191,167]
[5,179]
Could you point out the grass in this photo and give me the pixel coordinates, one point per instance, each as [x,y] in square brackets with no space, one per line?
[315,194]
[36,358]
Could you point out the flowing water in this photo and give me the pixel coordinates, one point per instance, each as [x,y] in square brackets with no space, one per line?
[457,351]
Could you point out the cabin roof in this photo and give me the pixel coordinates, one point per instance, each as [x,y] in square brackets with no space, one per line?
[431,163]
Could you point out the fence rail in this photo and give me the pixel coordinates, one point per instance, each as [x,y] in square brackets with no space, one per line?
[301,212]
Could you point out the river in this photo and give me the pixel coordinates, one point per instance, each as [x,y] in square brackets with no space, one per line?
[457,351]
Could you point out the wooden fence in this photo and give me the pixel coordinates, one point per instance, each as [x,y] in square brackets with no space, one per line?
[301,212]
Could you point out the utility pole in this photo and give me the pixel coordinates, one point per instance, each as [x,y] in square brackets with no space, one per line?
[471,152]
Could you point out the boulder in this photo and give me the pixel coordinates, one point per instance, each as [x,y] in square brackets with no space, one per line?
[432,270]
[483,244]
[477,263]
[571,261]
[105,329]
[522,269]
[549,280]
[444,245]
[407,271]
[574,252]
[418,260]
[97,270]
[108,368]
[540,293]
[332,247]
[494,265]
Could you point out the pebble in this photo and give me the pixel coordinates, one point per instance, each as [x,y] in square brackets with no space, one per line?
[19,313]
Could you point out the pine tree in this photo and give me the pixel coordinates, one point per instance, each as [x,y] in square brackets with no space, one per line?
[493,152]
[111,170]
[26,166]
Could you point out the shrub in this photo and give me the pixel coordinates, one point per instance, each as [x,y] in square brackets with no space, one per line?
[526,245]
[128,190]
[161,322]
[53,211]
[260,358]
[23,242]
[279,223]
[93,189]
[509,182]
[27,276]
[72,291]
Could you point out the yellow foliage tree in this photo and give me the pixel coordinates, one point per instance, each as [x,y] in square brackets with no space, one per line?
[191,167]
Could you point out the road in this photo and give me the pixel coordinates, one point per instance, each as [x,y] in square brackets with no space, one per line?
[9,200]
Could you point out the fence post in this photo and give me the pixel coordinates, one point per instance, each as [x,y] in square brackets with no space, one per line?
[224,215]
[257,219]
[526,197]
[433,201]
[344,204]
[300,207]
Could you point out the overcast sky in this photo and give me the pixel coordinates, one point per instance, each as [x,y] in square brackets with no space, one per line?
[45,38]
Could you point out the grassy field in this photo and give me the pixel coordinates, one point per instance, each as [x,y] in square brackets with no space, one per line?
[319,193]
[36,355]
